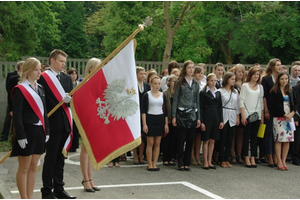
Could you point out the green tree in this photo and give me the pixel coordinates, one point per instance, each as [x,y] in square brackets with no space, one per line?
[115,21]
[17,28]
[73,38]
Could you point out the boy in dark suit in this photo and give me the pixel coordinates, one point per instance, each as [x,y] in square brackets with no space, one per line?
[60,128]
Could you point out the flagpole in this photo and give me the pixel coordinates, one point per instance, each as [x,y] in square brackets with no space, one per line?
[147,22]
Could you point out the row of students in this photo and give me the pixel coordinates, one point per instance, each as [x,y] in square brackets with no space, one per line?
[251,100]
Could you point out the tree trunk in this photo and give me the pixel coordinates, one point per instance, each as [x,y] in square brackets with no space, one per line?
[169,36]
[169,32]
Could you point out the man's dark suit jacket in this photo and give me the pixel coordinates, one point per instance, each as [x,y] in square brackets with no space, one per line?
[13,81]
[9,75]
[59,115]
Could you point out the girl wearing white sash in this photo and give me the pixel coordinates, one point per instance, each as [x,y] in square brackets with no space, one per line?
[31,124]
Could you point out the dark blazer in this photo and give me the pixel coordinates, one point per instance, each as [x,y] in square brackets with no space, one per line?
[267,83]
[9,75]
[211,106]
[276,107]
[13,81]
[59,116]
[146,87]
[24,114]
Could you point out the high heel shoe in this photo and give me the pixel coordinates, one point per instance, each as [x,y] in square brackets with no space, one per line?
[89,189]
[280,168]
[285,168]
[95,188]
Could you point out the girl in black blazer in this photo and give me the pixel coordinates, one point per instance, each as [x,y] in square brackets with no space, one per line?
[211,114]
[272,71]
[283,109]
[31,124]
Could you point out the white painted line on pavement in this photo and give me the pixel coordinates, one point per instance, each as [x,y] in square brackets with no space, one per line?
[187,184]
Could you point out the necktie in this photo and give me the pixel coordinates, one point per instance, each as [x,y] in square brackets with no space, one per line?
[58,76]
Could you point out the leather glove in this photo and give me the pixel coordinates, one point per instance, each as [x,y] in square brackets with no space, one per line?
[47,138]
[23,143]
[67,98]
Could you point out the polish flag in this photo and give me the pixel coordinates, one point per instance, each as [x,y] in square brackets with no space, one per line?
[106,109]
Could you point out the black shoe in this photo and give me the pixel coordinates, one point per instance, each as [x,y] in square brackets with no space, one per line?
[63,195]
[181,168]
[3,138]
[249,166]
[271,165]
[207,168]
[156,169]
[166,163]
[96,188]
[150,169]
[187,169]
[213,167]
[50,196]
[254,166]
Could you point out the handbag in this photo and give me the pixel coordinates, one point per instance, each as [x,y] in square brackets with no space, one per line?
[186,118]
[252,117]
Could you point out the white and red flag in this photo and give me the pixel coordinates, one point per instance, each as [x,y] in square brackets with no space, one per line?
[106,109]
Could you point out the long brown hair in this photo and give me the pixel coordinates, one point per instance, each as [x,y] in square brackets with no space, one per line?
[227,76]
[251,72]
[183,72]
[271,66]
[276,85]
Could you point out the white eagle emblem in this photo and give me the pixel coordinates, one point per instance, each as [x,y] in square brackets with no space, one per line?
[116,104]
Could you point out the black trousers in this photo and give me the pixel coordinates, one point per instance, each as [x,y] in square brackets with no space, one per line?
[187,136]
[7,124]
[54,162]
[225,142]
[168,143]
[295,147]
[250,132]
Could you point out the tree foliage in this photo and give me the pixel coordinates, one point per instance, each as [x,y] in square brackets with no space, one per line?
[210,31]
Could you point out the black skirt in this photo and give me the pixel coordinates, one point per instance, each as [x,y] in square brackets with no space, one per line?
[36,142]
[156,125]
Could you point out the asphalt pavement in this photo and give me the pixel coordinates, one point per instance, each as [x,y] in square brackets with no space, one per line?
[134,182]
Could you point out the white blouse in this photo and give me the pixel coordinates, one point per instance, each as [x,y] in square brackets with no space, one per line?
[155,104]
[253,99]
[231,106]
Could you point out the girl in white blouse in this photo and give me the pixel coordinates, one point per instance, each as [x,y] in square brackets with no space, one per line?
[231,111]
[251,101]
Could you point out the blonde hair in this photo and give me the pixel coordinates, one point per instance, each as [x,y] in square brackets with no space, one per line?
[175,70]
[154,77]
[170,78]
[29,65]
[93,62]
[209,76]
[138,69]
